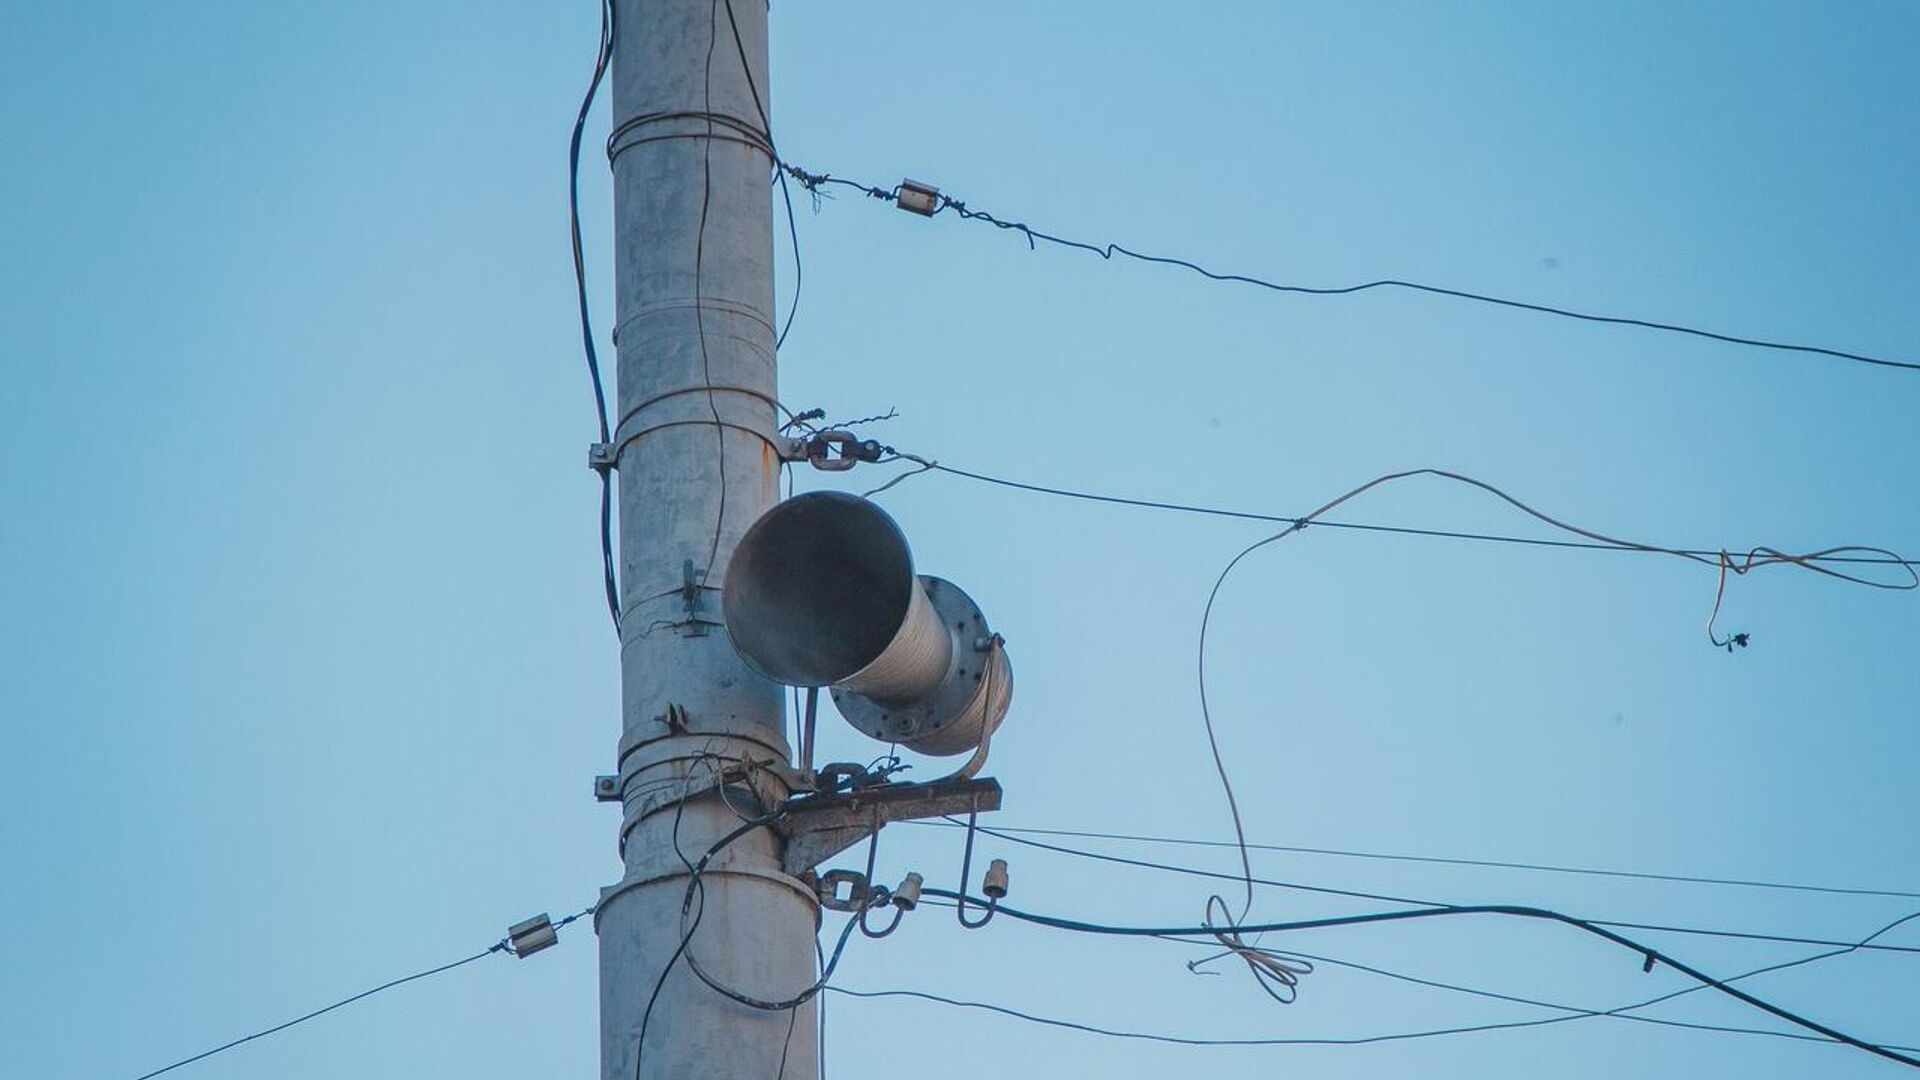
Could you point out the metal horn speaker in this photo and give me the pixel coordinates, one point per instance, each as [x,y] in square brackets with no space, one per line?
[821,591]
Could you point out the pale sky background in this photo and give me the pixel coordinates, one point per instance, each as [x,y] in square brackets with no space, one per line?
[304,669]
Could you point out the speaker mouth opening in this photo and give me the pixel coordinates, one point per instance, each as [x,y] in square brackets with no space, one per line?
[818,588]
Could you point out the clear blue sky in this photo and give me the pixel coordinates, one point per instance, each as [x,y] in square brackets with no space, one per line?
[304,671]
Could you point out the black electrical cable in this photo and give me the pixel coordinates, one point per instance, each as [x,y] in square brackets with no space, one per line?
[786,1044]
[699,302]
[1514,911]
[602,58]
[1356,894]
[820,1014]
[1109,250]
[1623,1012]
[1626,1012]
[697,889]
[1441,860]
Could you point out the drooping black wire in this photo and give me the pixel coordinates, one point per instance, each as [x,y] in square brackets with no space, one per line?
[1109,250]
[601,59]
[1622,1012]
[1389,898]
[1836,556]
[1442,860]
[1514,911]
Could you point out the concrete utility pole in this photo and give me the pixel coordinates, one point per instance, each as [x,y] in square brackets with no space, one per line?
[697,465]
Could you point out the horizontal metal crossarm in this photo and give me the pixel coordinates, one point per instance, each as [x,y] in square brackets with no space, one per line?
[818,827]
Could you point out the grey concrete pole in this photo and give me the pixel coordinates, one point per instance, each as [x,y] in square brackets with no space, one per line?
[695,332]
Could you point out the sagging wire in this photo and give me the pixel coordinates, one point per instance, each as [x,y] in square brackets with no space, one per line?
[1357,894]
[813,182]
[1650,955]
[1622,1012]
[1756,557]
[1839,556]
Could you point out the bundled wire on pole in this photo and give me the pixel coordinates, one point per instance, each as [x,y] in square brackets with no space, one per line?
[602,57]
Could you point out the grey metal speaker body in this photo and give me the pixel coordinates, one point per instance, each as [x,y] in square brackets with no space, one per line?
[821,591]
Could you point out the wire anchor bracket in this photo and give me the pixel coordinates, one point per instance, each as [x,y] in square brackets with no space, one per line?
[835,450]
[822,825]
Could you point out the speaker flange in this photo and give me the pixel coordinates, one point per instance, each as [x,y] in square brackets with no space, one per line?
[953,717]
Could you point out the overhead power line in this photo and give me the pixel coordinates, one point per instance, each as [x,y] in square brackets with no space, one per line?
[815,181]
[1622,1012]
[1361,1040]
[501,946]
[497,947]
[1837,556]
[1652,955]
[1416,901]
[1496,864]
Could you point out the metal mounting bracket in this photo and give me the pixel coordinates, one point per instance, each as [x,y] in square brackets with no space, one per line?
[838,451]
[693,601]
[818,827]
[602,456]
